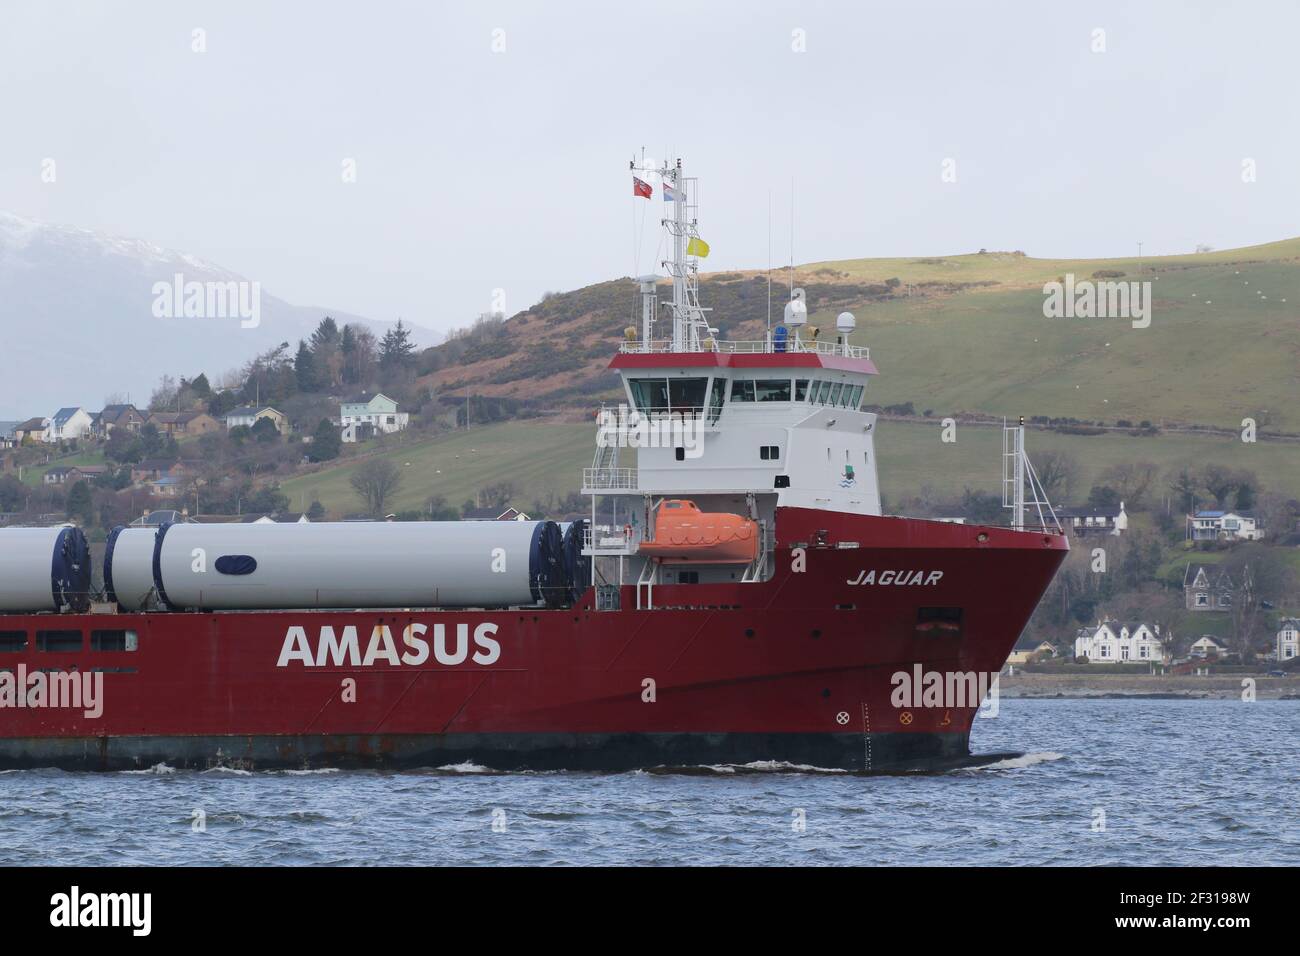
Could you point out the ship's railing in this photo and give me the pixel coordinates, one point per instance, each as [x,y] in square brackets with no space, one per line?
[611,541]
[609,413]
[755,346]
[612,479]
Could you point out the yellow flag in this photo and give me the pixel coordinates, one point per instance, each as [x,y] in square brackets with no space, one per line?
[697,247]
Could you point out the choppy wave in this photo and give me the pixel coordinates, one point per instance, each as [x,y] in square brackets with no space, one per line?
[1024,760]
[308,772]
[465,766]
[756,766]
[1072,758]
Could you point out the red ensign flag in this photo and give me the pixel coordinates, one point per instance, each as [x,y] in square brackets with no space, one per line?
[641,188]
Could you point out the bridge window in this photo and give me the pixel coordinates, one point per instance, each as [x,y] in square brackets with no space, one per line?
[649,394]
[687,394]
[742,390]
[773,390]
[856,400]
[801,389]
[715,397]
[835,394]
[823,389]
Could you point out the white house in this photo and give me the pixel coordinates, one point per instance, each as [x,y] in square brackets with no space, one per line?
[493,514]
[363,416]
[1288,639]
[69,423]
[247,416]
[1112,520]
[1207,646]
[1111,642]
[1224,526]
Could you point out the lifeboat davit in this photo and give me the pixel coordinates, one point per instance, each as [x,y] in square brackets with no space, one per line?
[684,533]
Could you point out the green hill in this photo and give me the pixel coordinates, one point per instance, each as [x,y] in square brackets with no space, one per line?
[951,334]
[539,460]
[961,333]
[542,459]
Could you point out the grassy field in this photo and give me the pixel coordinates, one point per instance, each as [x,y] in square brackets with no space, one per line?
[911,456]
[1011,269]
[35,474]
[1216,351]
[541,459]
[538,459]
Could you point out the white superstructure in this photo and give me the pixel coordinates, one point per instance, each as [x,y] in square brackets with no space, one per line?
[742,427]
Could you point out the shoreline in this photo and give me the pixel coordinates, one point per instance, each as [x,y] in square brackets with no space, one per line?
[1145,686]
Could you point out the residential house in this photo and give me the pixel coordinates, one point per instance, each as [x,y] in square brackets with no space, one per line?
[1111,642]
[287,517]
[152,519]
[1207,646]
[1288,639]
[247,415]
[1224,526]
[493,514]
[168,486]
[379,412]
[56,476]
[119,416]
[60,475]
[153,469]
[33,428]
[7,437]
[1094,521]
[68,424]
[1207,588]
[184,424]
[1028,649]
[88,472]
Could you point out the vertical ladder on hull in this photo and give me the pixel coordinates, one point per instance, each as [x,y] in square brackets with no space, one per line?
[757,570]
[649,575]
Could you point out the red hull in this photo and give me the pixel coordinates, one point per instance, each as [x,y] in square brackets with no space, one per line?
[795,668]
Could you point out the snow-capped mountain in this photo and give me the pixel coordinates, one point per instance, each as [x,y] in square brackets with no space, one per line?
[84,315]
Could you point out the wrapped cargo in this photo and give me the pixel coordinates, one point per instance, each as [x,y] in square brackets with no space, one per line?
[128,567]
[358,565]
[44,569]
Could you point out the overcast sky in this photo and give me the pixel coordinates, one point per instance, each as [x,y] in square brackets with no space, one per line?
[478,170]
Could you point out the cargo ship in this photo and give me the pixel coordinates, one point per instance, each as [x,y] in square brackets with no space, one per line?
[735,595]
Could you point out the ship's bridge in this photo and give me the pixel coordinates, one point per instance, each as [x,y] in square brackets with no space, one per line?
[743,418]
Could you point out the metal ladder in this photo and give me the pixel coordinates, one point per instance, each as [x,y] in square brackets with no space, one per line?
[647,578]
[757,569]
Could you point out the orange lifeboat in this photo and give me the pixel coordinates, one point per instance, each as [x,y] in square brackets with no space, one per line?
[684,533]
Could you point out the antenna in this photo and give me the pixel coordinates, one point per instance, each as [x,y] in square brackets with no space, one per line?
[769,261]
[792,237]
